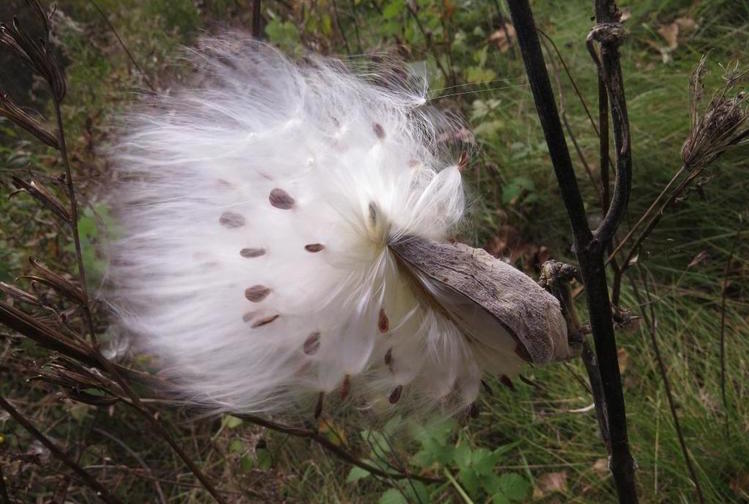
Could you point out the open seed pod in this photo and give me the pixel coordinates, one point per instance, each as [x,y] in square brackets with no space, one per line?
[495,305]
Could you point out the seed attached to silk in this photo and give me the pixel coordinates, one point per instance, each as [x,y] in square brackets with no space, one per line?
[395,395]
[252,252]
[281,199]
[383,323]
[312,343]
[264,321]
[256,293]
[231,220]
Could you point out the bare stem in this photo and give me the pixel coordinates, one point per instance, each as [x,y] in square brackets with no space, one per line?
[590,247]
[89,480]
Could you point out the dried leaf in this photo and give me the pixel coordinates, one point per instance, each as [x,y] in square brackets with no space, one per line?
[504,37]
[550,483]
[670,34]
[699,259]
[601,466]
[623,357]
[19,294]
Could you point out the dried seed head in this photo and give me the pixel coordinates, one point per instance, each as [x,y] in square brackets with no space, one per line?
[722,125]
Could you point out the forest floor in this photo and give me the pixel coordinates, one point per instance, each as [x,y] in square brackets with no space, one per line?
[535,442]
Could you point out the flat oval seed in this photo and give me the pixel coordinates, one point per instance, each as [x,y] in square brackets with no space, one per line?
[314,247]
[312,343]
[264,321]
[252,252]
[378,130]
[383,323]
[395,395]
[231,220]
[256,293]
[281,199]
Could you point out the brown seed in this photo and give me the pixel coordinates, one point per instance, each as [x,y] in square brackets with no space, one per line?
[378,130]
[318,406]
[264,321]
[505,380]
[389,359]
[383,323]
[314,247]
[252,252]
[395,395]
[312,343]
[256,293]
[281,199]
[231,220]
[345,386]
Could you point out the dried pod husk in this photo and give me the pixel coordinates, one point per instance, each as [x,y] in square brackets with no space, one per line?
[19,294]
[34,51]
[43,334]
[61,284]
[495,299]
[81,384]
[723,123]
[44,196]
[22,119]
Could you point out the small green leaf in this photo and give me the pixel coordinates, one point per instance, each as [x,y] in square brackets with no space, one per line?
[514,486]
[231,422]
[469,480]
[392,496]
[355,474]
[236,446]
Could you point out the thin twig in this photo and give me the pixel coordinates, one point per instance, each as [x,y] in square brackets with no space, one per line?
[337,21]
[333,448]
[138,458]
[123,45]
[429,41]
[89,480]
[652,325]
[257,19]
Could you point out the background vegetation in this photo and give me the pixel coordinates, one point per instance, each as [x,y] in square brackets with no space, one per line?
[535,442]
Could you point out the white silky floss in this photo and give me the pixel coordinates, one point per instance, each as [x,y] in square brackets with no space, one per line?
[257,209]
